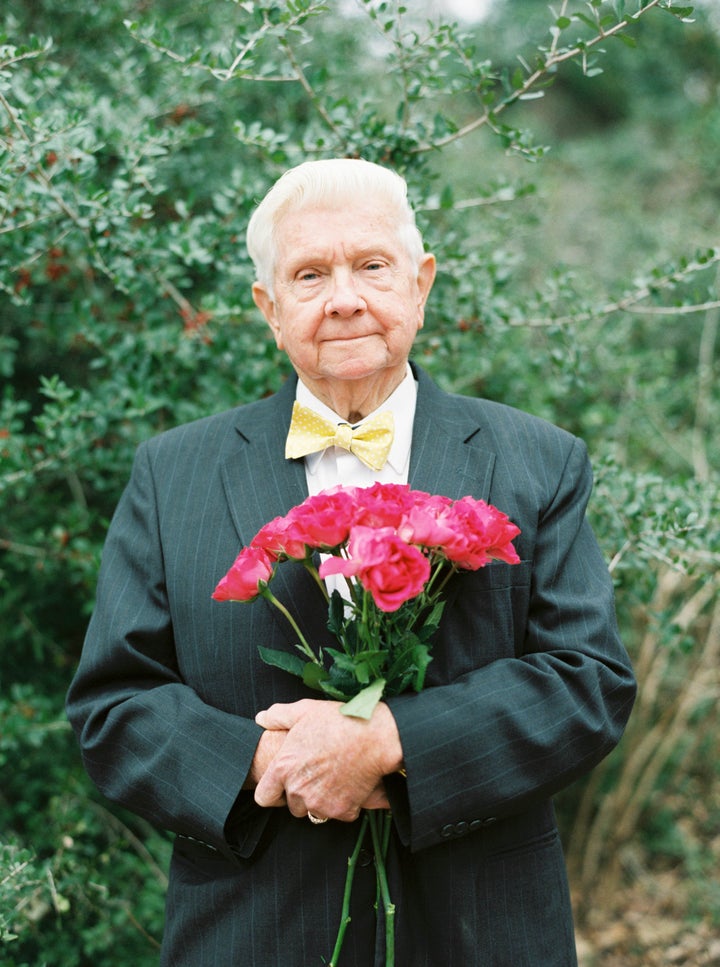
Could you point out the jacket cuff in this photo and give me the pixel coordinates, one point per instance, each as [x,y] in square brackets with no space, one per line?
[245,825]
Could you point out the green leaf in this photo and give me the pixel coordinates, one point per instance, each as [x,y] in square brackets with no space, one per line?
[283,659]
[336,612]
[313,675]
[422,660]
[341,660]
[332,691]
[583,18]
[682,13]
[363,705]
[627,40]
[431,623]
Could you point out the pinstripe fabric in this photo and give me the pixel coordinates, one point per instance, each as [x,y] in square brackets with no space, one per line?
[529,688]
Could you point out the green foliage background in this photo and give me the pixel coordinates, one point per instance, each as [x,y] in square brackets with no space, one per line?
[564,168]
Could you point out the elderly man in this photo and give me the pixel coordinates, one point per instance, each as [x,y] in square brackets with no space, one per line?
[528,689]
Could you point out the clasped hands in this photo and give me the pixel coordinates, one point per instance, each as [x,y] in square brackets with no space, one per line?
[313,759]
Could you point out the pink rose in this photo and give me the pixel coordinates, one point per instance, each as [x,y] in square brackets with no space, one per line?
[277,540]
[383,505]
[241,583]
[323,520]
[427,522]
[481,533]
[392,570]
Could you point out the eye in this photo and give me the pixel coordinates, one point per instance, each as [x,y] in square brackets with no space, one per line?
[307,275]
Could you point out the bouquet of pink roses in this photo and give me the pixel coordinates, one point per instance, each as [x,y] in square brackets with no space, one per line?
[396,548]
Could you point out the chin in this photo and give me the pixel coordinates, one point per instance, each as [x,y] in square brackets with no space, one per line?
[355,370]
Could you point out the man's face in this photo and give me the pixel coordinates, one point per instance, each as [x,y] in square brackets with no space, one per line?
[348,299]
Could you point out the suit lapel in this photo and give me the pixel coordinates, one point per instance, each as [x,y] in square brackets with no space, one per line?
[260,484]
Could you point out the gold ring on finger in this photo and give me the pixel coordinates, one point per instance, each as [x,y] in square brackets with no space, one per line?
[317,820]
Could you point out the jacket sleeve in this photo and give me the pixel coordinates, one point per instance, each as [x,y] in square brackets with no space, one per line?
[519,726]
[148,740]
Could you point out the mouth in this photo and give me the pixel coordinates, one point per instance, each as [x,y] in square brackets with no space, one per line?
[351,337]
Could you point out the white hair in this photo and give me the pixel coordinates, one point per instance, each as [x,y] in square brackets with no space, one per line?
[328,183]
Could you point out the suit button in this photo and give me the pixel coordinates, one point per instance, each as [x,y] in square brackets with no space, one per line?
[476,824]
[461,828]
[365,857]
[447,831]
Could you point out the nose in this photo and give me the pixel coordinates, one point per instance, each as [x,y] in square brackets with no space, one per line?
[344,299]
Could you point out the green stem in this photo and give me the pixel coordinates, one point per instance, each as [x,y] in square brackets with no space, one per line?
[431,592]
[453,569]
[269,596]
[313,572]
[387,829]
[380,849]
[345,915]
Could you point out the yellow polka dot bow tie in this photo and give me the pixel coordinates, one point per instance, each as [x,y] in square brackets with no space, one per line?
[310,432]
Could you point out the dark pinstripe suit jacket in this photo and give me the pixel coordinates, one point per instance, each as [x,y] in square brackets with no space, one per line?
[528,689]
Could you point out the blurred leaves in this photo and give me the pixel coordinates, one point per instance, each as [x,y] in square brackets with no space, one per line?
[134,142]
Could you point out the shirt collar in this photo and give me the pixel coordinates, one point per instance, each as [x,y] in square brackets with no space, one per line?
[401,404]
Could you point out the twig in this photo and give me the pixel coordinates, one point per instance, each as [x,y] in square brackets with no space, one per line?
[26,549]
[153,941]
[307,87]
[705,384]
[630,302]
[224,74]
[677,310]
[14,871]
[28,223]
[550,62]
[121,829]
[244,51]
[26,55]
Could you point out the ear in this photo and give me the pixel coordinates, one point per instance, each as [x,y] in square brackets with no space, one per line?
[425,279]
[266,304]
[426,276]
